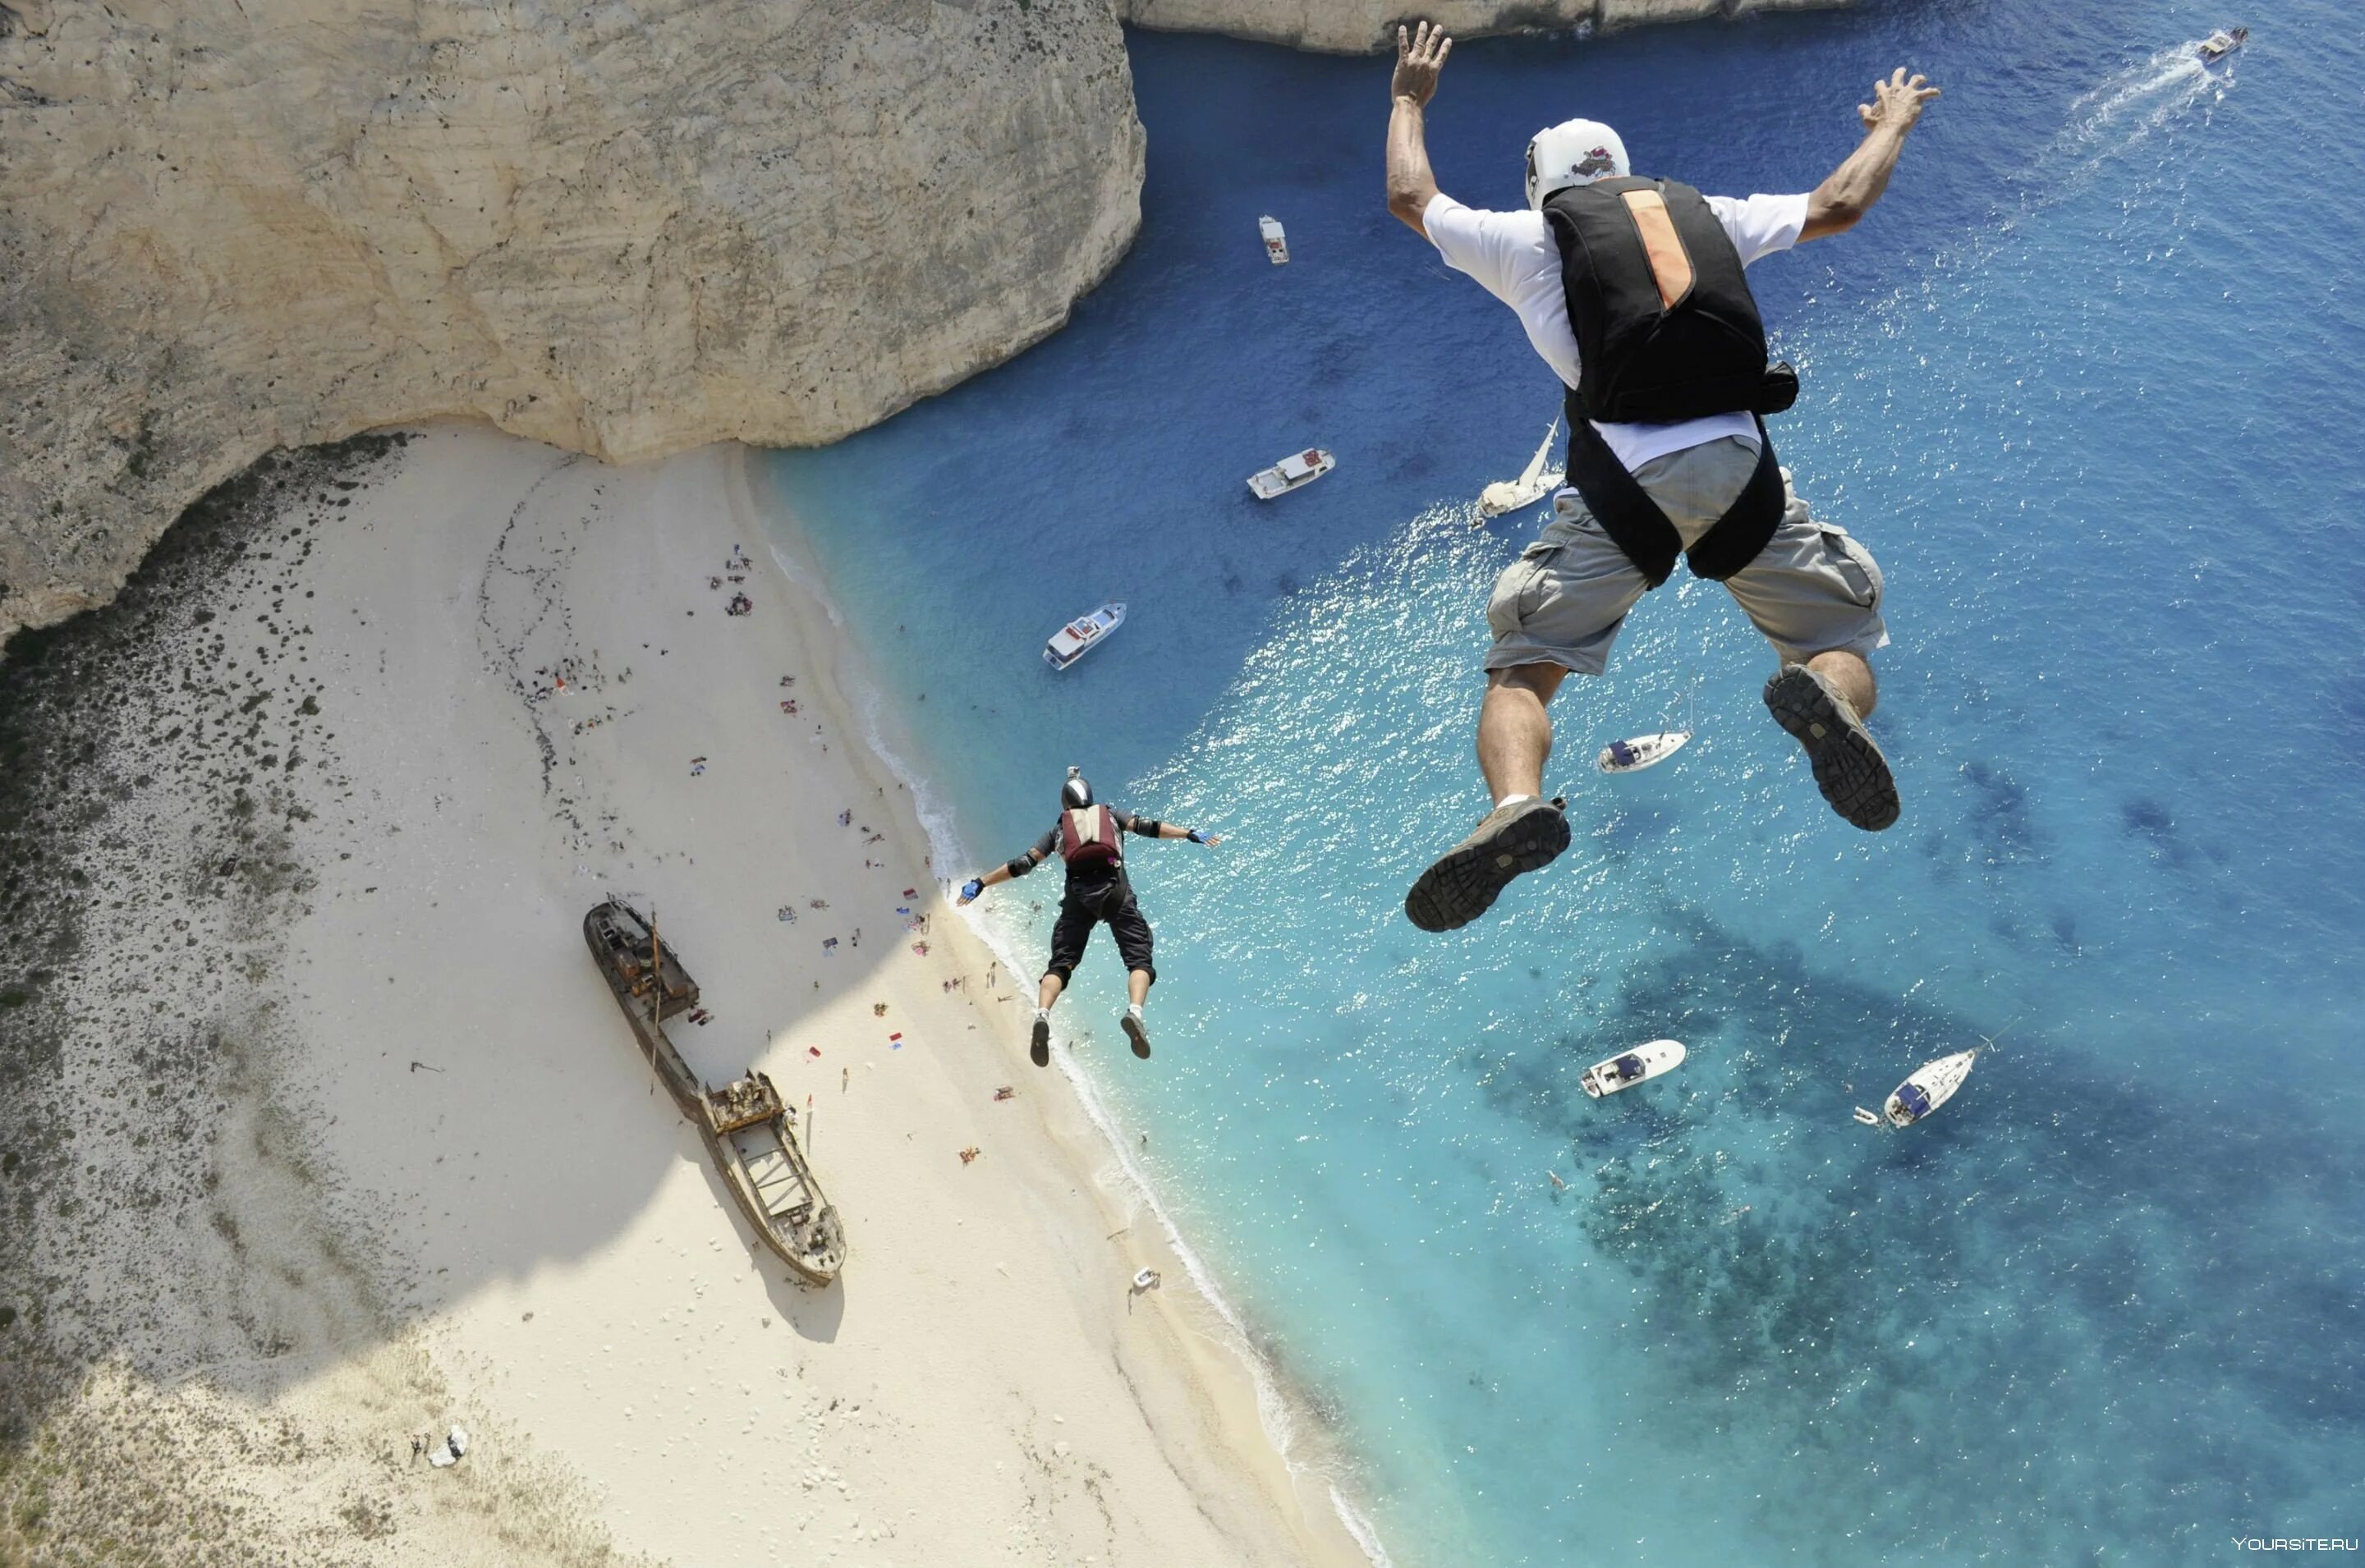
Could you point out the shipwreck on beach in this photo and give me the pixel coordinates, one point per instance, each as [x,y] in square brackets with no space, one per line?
[748,1129]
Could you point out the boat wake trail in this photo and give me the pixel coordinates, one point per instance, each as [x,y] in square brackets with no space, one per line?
[2102,128]
[2120,114]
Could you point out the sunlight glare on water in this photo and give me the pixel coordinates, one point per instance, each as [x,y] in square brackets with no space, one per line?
[2085,384]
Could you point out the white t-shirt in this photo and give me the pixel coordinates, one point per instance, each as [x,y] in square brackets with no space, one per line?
[1513,256]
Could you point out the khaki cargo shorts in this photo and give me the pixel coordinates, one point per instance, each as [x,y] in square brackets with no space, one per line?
[1813,590]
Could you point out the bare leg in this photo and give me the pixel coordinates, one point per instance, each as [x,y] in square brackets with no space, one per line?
[1137,986]
[1514,729]
[1052,986]
[1514,742]
[1851,677]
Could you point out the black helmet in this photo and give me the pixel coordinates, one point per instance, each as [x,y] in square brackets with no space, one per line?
[1077,793]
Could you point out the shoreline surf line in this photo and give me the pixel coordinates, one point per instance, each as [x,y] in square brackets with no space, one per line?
[1280,1403]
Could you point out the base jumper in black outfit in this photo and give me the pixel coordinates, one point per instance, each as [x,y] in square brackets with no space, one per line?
[1089,837]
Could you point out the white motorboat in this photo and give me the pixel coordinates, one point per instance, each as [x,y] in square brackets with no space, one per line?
[1081,635]
[2221,43]
[1534,482]
[1928,1087]
[1293,472]
[1276,243]
[1629,1067]
[1638,752]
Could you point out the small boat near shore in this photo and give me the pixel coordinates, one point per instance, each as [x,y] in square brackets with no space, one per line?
[749,1130]
[1294,472]
[1629,1067]
[1081,635]
[1926,1088]
[1276,243]
[1638,752]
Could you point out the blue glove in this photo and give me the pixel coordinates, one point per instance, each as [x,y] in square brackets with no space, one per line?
[1195,837]
[974,886]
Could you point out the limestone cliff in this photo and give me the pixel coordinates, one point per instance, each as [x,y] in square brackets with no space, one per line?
[1359,27]
[624,227]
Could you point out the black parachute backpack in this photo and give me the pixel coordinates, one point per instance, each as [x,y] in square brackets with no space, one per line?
[1666,327]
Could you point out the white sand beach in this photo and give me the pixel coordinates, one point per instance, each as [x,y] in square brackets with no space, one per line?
[444,1188]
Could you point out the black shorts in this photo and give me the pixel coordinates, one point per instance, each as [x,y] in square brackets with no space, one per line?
[1084,908]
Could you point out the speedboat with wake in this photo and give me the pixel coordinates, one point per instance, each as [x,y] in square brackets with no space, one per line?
[1534,482]
[1928,1087]
[1081,635]
[1638,1066]
[1294,472]
[2221,43]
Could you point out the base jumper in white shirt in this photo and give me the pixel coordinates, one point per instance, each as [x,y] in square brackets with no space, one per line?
[1632,290]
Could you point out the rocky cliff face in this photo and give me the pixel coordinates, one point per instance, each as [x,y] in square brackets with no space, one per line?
[624,227]
[1359,27]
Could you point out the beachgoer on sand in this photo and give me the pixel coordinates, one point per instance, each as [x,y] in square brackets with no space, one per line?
[1632,291]
[1088,837]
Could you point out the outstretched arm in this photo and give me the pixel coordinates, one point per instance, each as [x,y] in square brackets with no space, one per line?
[1836,204]
[1150,827]
[1419,57]
[1039,852]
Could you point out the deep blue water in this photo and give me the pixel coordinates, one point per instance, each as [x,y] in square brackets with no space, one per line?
[2087,383]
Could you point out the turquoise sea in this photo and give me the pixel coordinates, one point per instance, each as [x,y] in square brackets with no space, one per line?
[2088,384]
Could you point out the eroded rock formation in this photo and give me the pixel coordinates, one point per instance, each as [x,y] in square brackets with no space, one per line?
[625,227]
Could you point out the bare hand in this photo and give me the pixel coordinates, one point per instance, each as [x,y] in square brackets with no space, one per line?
[1895,103]
[1211,839]
[1420,56]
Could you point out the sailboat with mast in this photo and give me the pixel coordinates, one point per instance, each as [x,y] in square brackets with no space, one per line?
[1534,482]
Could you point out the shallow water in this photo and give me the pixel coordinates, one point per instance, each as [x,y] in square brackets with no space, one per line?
[2084,383]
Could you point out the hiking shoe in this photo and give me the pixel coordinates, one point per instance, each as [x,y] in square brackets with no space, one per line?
[1042,1048]
[1512,841]
[1136,1031]
[1849,768]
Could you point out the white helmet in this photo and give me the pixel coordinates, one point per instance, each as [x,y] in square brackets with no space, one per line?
[1574,152]
[1076,793]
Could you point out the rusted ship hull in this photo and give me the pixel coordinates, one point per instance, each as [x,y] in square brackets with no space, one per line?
[749,1131]
[620,944]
